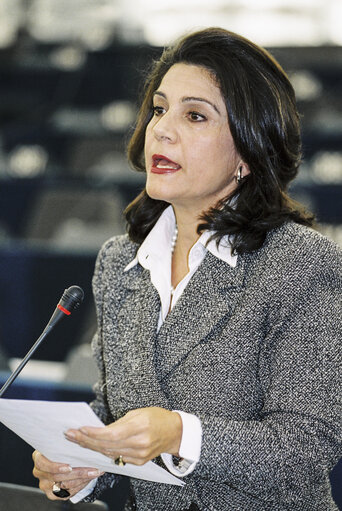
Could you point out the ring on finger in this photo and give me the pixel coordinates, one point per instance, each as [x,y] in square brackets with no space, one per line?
[59,492]
[119,461]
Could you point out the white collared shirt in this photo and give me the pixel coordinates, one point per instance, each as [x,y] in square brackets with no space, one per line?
[154,255]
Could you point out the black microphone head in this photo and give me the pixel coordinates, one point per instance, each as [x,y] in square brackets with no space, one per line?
[72,297]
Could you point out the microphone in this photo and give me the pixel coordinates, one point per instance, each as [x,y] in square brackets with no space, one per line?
[71,299]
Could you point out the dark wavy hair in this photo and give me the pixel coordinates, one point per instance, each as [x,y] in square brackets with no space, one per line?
[264,123]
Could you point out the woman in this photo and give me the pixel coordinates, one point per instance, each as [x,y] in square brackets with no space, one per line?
[219,341]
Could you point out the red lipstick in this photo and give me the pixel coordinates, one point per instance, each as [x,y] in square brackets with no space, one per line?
[163,165]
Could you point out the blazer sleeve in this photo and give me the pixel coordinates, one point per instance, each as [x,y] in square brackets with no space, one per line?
[287,454]
[100,404]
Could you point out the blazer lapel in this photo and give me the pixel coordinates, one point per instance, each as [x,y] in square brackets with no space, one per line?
[137,324]
[205,306]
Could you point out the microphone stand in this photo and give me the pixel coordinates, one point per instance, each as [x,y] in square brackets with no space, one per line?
[25,360]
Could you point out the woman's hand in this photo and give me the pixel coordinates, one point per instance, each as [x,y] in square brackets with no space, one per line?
[71,479]
[138,437]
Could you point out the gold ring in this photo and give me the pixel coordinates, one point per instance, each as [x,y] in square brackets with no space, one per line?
[119,461]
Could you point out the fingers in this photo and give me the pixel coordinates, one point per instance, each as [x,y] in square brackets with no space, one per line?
[106,443]
[72,485]
[61,471]
[139,436]
[68,478]
[97,436]
[45,465]
[75,474]
[118,431]
[101,440]
[115,434]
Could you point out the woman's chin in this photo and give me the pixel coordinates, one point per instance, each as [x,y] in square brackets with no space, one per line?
[158,194]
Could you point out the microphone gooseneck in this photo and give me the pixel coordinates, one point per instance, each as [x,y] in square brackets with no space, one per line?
[71,299]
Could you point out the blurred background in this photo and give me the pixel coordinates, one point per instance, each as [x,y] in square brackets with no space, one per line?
[70,76]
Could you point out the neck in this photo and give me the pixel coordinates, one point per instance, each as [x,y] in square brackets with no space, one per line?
[180,253]
[186,235]
[187,222]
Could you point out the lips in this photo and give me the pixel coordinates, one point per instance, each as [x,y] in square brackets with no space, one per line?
[163,165]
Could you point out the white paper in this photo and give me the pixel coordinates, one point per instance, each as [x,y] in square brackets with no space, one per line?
[42,425]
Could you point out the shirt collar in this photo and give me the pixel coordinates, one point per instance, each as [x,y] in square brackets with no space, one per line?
[222,251]
[159,241]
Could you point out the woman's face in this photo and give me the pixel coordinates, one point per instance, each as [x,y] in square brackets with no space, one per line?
[191,160]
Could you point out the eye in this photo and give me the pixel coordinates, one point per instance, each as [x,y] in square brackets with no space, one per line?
[158,110]
[196,117]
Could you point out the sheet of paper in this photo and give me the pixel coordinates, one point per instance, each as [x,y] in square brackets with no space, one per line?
[42,423]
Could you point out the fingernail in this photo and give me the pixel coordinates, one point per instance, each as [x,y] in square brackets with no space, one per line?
[70,434]
[65,469]
[94,473]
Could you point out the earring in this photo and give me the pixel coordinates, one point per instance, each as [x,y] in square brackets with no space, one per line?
[239,178]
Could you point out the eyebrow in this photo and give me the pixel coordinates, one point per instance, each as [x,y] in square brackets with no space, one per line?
[188,99]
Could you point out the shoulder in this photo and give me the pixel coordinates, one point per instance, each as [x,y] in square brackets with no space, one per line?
[118,251]
[295,252]
[293,240]
[114,256]
[111,261]
[297,271]
[294,237]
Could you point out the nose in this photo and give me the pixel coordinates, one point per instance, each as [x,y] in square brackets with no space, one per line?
[165,128]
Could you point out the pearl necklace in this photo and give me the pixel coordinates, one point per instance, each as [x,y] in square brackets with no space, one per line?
[173,245]
[174,239]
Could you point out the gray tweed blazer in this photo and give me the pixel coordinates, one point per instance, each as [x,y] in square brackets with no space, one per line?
[254,351]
